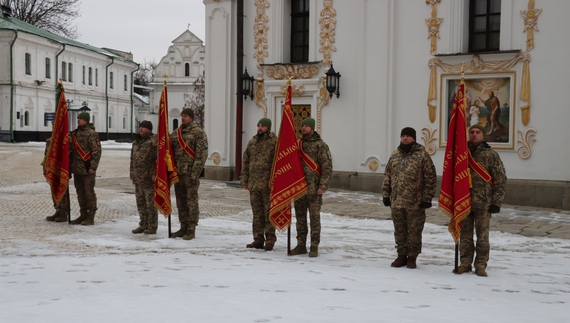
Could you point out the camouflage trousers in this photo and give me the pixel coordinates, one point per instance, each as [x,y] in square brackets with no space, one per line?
[478,219]
[408,227]
[263,230]
[313,204]
[63,207]
[85,189]
[145,205]
[187,200]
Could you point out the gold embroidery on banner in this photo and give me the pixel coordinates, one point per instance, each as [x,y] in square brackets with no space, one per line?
[327,34]
[530,17]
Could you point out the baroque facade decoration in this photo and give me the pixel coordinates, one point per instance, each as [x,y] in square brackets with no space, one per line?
[527,138]
[530,17]
[433,26]
[260,29]
[280,72]
[428,136]
[296,89]
[328,30]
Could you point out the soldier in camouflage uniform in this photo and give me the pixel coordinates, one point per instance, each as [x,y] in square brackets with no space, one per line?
[190,154]
[143,158]
[61,210]
[408,188]
[85,156]
[486,198]
[255,173]
[316,152]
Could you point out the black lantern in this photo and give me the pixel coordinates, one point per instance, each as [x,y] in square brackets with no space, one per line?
[333,82]
[247,85]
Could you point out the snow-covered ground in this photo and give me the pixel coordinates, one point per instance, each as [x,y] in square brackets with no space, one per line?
[103,273]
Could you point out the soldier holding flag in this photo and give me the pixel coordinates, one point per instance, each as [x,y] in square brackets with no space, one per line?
[317,166]
[489,180]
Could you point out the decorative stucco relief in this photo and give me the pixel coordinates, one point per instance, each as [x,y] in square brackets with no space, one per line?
[477,65]
[279,72]
[260,96]
[433,26]
[428,136]
[260,28]
[324,98]
[530,17]
[327,34]
[527,138]
[296,89]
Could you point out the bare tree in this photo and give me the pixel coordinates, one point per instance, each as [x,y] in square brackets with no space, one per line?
[144,75]
[52,15]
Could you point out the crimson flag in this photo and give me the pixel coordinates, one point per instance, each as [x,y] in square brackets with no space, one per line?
[57,158]
[287,180]
[454,196]
[165,174]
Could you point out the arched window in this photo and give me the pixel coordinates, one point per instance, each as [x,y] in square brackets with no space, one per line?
[187,69]
[26,118]
[110,122]
[175,124]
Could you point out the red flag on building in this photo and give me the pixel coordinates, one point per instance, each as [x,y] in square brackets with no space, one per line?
[454,196]
[165,174]
[287,180]
[57,159]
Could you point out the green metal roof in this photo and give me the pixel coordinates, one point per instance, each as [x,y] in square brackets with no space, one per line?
[13,23]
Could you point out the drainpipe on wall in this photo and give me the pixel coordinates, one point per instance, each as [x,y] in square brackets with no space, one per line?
[239,101]
[12,86]
[107,94]
[132,100]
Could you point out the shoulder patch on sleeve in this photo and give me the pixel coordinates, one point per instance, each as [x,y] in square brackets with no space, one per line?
[329,155]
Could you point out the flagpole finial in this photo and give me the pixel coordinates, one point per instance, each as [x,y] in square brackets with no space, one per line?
[289,81]
[165,77]
[462,71]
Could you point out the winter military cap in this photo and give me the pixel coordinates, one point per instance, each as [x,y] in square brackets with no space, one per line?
[146,124]
[84,116]
[266,122]
[189,112]
[408,131]
[478,126]
[309,122]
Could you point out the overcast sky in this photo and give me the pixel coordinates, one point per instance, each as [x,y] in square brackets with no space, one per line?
[144,28]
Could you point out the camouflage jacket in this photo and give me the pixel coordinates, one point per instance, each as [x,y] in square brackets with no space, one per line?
[143,158]
[258,161]
[484,194]
[409,178]
[88,140]
[196,139]
[319,151]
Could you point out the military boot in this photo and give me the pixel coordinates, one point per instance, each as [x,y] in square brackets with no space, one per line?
[191,233]
[314,252]
[61,218]
[401,261]
[150,231]
[52,217]
[255,244]
[80,219]
[180,233]
[138,230]
[411,262]
[298,250]
[462,269]
[89,219]
[481,272]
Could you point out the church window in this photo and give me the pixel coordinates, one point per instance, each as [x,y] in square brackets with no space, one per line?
[28,64]
[484,25]
[187,69]
[48,68]
[299,31]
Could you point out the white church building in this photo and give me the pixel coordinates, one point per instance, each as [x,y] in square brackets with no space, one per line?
[399,62]
[96,80]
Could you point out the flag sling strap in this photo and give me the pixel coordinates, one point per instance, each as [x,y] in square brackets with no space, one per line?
[480,170]
[308,160]
[85,156]
[183,145]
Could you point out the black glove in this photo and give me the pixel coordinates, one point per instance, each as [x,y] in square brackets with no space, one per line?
[386,201]
[494,209]
[425,205]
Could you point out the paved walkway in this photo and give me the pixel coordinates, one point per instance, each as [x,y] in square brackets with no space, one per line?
[25,200]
